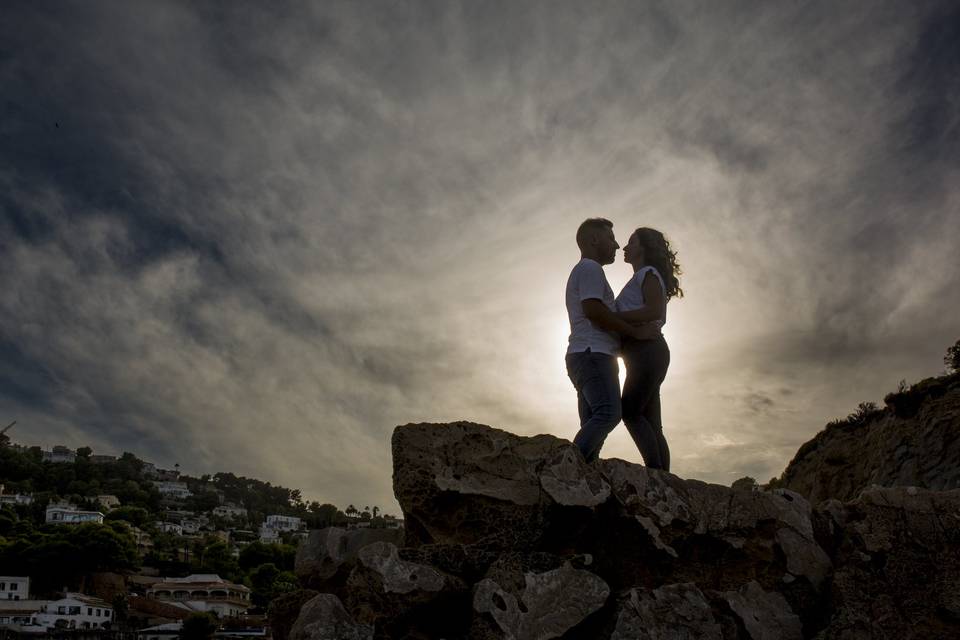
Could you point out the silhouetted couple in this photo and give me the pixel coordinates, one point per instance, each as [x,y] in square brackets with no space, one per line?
[603,327]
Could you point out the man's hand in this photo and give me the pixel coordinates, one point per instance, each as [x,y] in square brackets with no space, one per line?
[646,331]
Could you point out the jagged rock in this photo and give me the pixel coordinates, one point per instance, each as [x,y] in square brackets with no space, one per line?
[464,483]
[684,529]
[920,447]
[512,537]
[324,618]
[549,605]
[671,612]
[898,565]
[285,609]
[326,557]
[764,615]
[395,595]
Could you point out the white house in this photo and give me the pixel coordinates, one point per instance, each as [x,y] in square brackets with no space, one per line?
[60,454]
[78,611]
[204,592]
[272,527]
[108,501]
[284,523]
[268,535]
[191,527]
[229,511]
[14,498]
[169,527]
[142,539]
[171,489]
[14,588]
[18,614]
[66,513]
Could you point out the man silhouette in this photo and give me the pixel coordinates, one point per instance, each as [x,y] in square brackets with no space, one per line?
[595,337]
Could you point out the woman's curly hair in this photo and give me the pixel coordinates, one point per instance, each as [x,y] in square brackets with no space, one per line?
[657,253]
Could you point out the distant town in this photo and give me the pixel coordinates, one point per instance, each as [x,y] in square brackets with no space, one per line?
[97,546]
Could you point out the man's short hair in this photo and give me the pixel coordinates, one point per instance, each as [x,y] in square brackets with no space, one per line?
[589,227]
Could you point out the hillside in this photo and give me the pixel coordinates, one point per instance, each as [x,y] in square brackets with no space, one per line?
[913,441]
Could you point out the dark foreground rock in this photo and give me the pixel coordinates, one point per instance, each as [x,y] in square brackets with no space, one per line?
[513,537]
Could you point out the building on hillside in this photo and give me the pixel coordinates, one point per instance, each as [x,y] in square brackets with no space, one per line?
[284,523]
[171,631]
[142,539]
[274,525]
[17,615]
[14,588]
[169,527]
[60,453]
[66,513]
[204,592]
[191,526]
[77,611]
[229,511]
[167,475]
[149,470]
[172,489]
[268,535]
[14,498]
[100,458]
[393,522]
[108,502]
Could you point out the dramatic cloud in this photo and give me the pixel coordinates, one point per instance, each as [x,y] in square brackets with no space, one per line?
[255,238]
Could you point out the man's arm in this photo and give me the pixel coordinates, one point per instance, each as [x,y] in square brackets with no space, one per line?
[601,316]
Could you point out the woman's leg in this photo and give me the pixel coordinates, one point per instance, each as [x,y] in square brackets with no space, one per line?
[652,416]
[646,365]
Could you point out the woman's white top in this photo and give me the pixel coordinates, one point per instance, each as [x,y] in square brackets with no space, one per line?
[631,296]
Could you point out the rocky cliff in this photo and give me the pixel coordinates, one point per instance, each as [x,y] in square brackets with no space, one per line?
[913,441]
[513,537]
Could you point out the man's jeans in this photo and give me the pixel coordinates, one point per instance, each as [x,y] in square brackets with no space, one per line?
[596,378]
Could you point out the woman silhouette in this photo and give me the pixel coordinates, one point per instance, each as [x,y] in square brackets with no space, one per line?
[644,299]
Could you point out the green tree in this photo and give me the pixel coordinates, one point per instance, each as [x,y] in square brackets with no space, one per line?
[952,359]
[137,516]
[198,626]
[258,553]
[261,583]
[84,453]
[217,557]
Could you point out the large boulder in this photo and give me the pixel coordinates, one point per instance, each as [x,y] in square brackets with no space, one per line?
[547,606]
[465,483]
[326,557]
[663,528]
[397,596]
[323,617]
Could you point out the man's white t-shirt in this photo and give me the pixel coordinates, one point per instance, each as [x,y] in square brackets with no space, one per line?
[631,296]
[587,281]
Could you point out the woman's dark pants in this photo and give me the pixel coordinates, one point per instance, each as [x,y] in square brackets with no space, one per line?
[646,362]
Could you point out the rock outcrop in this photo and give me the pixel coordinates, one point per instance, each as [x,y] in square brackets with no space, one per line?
[914,441]
[514,537]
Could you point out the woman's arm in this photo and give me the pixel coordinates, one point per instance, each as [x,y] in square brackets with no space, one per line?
[654,303]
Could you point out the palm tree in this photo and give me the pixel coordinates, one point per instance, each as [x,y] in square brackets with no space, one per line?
[351,510]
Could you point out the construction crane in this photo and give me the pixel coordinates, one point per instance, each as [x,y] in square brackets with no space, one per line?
[6,428]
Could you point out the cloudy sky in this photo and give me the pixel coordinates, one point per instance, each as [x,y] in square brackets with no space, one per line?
[255,237]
